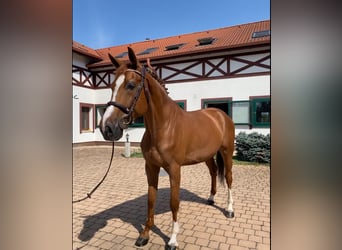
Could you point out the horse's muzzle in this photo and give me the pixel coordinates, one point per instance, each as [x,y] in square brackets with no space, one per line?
[112,132]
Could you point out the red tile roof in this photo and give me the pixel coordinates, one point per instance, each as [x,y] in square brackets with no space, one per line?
[225,38]
[82,49]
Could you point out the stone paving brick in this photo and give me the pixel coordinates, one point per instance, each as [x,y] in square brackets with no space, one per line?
[192,247]
[248,244]
[213,244]
[218,238]
[224,246]
[232,241]
[263,247]
[233,247]
[190,239]
[202,242]
[116,214]
[201,235]
[241,236]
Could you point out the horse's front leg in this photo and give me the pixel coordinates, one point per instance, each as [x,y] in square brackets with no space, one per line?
[174,174]
[152,173]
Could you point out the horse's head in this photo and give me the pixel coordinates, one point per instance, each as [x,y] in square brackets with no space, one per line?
[128,100]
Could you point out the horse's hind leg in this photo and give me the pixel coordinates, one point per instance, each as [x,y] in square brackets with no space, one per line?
[174,174]
[228,163]
[213,173]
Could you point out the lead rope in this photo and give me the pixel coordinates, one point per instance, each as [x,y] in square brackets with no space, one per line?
[104,177]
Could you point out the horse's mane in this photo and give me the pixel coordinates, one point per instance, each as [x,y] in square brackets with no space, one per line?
[154,74]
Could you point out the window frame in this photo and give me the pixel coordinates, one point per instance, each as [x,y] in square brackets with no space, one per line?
[91,121]
[137,124]
[182,104]
[254,100]
[249,113]
[227,100]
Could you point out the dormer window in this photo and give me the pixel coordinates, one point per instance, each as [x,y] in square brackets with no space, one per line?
[121,55]
[263,33]
[147,51]
[174,46]
[205,41]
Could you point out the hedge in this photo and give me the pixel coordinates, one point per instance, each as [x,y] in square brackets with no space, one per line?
[253,147]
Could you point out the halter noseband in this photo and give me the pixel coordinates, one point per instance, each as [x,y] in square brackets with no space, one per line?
[128,119]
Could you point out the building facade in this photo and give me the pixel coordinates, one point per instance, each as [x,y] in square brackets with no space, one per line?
[227,68]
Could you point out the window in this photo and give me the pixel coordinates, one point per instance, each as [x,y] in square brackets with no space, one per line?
[261,112]
[263,33]
[241,113]
[205,41]
[182,104]
[121,55]
[100,109]
[138,123]
[223,104]
[86,117]
[147,51]
[174,46]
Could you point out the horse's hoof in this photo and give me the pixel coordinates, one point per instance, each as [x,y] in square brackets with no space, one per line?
[230,214]
[210,202]
[173,247]
[141,242]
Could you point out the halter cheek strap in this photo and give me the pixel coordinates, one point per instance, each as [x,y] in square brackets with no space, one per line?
[119,106]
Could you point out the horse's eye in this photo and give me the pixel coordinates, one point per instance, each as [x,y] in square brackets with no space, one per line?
[130,85]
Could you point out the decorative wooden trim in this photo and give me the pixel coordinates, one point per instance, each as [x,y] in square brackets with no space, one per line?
[250,64]
[219,67]
[103,81]
[84,79]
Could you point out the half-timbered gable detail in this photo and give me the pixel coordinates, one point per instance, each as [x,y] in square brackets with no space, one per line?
[82,77]
[103,79]
[215,68]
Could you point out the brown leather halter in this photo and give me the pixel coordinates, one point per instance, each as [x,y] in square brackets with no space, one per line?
[128,119]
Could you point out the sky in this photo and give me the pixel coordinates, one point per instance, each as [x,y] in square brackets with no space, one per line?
[105,23]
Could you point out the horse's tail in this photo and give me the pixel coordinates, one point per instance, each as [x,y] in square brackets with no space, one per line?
[220,166]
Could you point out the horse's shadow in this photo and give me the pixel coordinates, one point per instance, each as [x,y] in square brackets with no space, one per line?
[134,213]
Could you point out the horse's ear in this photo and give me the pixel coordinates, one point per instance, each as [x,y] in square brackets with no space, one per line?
[115,61]
[132,57]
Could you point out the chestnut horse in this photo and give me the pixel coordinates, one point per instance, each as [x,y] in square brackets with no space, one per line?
[173,137]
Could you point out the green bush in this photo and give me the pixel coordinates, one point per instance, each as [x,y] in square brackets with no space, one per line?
[253,147]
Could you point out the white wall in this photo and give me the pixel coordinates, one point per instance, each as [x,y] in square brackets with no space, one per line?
[239,89]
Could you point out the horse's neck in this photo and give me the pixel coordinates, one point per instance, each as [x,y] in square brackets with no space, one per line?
[161,107]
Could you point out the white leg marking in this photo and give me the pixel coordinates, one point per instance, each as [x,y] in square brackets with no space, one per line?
[230,200]
[211,197]
[175,231]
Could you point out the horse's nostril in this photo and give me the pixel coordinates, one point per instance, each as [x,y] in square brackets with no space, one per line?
[108,130]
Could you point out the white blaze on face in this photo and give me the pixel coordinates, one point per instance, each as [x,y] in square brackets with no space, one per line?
[119,81]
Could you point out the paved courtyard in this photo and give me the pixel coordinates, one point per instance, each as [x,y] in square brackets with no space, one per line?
[114,216]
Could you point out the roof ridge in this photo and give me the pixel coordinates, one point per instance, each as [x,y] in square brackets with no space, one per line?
[81,48]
